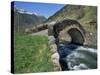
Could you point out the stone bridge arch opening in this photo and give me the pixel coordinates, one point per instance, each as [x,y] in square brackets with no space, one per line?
[76,36]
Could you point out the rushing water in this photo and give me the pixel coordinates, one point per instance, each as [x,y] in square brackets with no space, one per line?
[76,57]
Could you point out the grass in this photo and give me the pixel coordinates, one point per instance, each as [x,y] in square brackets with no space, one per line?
[31,54]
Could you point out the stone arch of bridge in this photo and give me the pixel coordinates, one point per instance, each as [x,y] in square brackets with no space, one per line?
[70,29]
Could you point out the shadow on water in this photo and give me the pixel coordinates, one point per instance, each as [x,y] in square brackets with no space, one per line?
[64,49]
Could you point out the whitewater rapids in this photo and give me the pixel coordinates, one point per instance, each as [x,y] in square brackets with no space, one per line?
[74,57]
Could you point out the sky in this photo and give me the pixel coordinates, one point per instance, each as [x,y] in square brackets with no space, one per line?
[43,9]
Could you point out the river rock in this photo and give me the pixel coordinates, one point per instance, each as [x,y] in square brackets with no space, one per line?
[55,56]
[55,60]
[53,48]
[51,40]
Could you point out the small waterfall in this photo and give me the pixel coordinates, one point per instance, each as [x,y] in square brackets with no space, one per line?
[76,57]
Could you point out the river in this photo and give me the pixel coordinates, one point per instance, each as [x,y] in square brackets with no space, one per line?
[77,57]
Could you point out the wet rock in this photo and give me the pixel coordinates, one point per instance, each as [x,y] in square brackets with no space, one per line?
[80,66]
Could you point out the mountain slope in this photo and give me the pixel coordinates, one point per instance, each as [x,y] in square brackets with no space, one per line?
[23,20]
[83,14]
[74,12]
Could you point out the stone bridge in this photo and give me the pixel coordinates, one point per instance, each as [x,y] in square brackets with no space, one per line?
[70,31]
[67,30]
